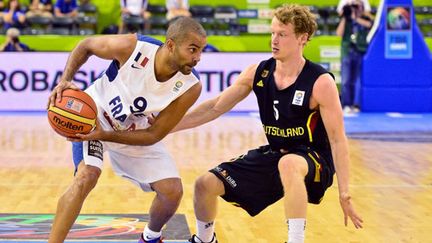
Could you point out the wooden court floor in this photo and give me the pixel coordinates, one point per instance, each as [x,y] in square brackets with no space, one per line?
[391,183]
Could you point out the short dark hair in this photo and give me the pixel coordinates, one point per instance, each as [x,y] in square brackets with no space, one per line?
[181,27]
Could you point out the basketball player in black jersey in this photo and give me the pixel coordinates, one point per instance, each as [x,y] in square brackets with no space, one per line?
[303,121]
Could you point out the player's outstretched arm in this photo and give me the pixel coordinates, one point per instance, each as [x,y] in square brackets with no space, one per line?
[213,108]
[326,95]
[113,47]
[161,126]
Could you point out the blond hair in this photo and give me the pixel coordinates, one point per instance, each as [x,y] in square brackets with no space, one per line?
[299,16]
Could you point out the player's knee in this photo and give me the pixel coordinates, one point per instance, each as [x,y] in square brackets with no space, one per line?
[87,179]
[171,189]
[208,184]
[290,166]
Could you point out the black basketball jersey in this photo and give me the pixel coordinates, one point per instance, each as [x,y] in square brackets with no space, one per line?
[287,120]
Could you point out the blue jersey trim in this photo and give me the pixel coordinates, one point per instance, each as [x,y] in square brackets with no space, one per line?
[112,71]
[149,39]
[196,73]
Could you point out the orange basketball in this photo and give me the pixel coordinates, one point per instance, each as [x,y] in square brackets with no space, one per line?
[75,113]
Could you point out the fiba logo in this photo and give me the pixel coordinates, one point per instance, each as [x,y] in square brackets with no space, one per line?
[177,86]
[298,97]
[398,18]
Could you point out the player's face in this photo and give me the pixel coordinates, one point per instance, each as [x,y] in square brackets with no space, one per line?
[284,41]
[188,53]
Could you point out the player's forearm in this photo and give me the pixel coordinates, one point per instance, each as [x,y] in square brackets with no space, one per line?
[76,59]
[138,137]
[341,161]
[202,114]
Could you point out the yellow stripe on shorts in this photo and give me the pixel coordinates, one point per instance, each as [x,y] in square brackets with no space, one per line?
[317,169]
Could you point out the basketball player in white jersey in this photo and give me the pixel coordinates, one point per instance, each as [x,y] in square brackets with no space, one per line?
[145,77]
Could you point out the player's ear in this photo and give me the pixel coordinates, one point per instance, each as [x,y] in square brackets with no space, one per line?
[170,45]
[304,38]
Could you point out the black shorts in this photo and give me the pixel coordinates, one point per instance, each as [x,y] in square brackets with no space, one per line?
[252,181]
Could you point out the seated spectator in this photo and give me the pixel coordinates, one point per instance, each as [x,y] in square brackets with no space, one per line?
[12,42]
[66,8]
[13,16]
[40,8]
[176,8]
[134,8]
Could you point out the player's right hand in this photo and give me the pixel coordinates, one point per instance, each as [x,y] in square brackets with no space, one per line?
[57,91]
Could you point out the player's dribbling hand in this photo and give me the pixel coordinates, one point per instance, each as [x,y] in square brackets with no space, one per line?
[348,210]
[57,91]
[95,134]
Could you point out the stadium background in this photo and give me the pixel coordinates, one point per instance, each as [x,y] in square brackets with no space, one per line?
[391,162]
[109,13]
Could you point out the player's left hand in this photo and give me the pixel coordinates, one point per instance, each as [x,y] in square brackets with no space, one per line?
[96,134]
[348,210]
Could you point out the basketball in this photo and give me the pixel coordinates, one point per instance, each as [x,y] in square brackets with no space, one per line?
[75,113]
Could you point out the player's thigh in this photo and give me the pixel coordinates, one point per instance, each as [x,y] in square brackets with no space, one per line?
[319,176]
[251,181]
[91,152]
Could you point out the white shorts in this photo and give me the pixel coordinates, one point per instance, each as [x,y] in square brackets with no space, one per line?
[148,164]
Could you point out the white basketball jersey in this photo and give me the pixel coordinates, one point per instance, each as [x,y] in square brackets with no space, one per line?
[126,96]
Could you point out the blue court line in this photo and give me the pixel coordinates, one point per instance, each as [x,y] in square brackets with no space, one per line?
[388,122]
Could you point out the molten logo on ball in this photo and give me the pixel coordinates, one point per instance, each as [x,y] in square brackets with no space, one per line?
[68,125]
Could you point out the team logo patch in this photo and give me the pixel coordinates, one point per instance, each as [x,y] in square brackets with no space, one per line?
[74,105]
[226,176]
[298,97]
[260,83]
[95,149]
[264,73]
[177,86]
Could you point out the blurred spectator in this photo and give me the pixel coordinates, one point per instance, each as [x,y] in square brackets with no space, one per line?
[134,8]
[13,16]
[1,8]
[176,8]
[40,8]
[12,42]
[353,28]
[66,8]
[342,3]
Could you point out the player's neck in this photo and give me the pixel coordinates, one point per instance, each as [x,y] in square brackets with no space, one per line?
[290,66]
[163,67]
